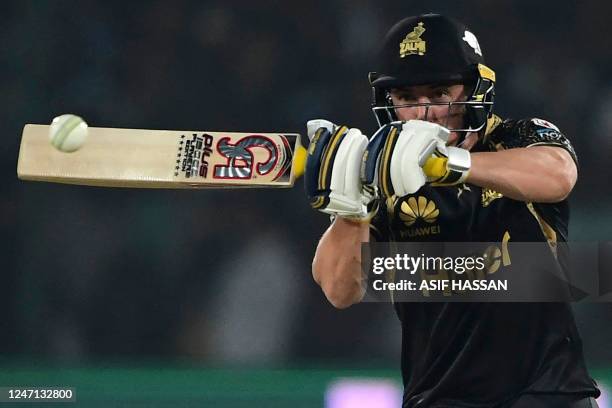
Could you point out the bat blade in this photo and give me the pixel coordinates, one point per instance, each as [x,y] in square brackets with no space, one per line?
[140,158]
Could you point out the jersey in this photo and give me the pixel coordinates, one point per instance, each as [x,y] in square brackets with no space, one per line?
[484,354]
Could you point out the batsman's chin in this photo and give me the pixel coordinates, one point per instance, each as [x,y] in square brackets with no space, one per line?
[468,142]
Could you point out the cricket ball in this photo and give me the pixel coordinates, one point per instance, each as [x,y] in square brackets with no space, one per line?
[68,132]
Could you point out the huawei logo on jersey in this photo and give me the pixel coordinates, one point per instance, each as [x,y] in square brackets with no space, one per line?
[419,208]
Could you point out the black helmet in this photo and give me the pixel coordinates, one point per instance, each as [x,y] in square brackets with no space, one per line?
[433,49]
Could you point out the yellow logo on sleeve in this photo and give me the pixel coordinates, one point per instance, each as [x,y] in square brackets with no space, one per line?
[488,196]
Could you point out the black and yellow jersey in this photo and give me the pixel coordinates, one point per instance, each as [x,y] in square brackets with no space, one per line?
[483,354]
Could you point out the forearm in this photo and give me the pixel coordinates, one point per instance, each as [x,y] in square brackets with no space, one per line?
[337,263]
[535,174]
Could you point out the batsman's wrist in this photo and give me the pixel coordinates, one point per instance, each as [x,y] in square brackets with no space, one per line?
[372,209]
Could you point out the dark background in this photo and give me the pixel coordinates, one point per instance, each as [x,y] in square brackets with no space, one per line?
[92,275]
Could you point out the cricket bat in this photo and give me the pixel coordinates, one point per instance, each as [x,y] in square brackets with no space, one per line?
[142,158]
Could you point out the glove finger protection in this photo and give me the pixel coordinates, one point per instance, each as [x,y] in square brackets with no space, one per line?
[333,167]
[375,173]
[313,125]
[398,151]
[415,145]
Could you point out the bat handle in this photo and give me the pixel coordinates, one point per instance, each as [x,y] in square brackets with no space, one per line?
[434,166]
[299,161]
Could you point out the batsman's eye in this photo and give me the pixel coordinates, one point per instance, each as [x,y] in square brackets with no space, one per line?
[401,97]
[406,98]
[442,90]
[441,94]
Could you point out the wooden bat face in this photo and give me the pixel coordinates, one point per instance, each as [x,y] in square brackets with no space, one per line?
[164,159]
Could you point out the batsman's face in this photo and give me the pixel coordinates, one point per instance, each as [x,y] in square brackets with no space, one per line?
[448,116]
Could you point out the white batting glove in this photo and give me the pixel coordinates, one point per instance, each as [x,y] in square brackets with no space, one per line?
[332,176]
[404,156]
[416,143]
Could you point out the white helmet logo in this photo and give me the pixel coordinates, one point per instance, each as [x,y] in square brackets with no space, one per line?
[470,38]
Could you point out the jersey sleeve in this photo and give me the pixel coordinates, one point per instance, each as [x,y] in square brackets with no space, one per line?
[533,132]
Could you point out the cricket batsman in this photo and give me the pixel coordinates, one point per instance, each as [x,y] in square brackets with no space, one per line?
[440,153]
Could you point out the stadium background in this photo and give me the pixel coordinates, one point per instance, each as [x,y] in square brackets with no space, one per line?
[204,298]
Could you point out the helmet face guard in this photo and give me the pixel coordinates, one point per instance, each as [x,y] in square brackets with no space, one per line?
[476,109]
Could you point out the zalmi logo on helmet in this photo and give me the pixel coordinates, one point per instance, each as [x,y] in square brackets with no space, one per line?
[413,44]
[415,209]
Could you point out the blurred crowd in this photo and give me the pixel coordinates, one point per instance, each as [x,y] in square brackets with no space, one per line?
[224,276]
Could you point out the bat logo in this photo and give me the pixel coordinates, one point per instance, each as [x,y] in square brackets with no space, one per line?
[192,156]
[240,157]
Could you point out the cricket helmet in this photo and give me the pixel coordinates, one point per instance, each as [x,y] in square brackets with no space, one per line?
[433,49]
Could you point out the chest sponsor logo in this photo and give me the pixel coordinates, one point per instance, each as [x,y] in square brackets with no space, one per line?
[420,215]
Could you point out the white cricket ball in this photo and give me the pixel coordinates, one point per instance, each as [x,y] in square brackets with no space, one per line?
[68,132]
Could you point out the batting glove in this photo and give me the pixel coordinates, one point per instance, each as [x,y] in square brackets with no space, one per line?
[404,156]
[333,178]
